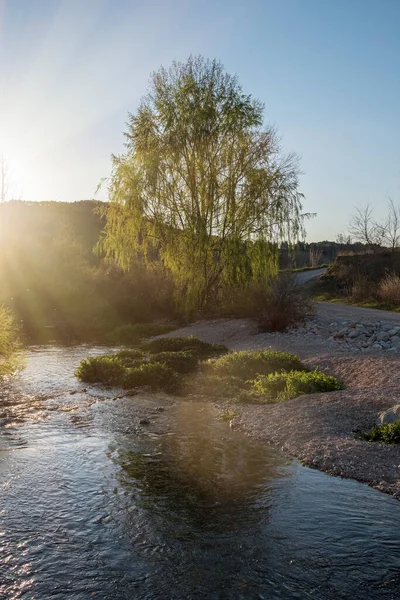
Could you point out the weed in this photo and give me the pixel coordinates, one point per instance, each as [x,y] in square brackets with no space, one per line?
[389,433]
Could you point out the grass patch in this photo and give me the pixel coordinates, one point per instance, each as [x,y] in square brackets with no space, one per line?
[264,376]
[183,344]
[285,386]
[249,364]
[101,369]
[180,362]
[388,433]
[154,375]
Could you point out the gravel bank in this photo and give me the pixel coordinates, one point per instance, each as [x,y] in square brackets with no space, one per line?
[319,429]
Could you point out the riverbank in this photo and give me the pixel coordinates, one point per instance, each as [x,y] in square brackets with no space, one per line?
[319,429]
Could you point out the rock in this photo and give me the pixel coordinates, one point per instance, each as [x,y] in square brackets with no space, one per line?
[144,422]
[377,346]
[159,409]
[354,333]
[383,336]
[352,325]
[392,349]
[387,327]
[393,332]
[341,333]
[389,416]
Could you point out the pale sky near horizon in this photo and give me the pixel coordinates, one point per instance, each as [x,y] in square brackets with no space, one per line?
[327,71]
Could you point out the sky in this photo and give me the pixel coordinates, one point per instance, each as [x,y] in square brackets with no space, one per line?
[328,72]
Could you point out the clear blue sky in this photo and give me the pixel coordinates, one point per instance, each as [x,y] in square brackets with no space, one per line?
[328,72]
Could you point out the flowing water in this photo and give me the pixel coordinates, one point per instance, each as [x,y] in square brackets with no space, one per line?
[95,504]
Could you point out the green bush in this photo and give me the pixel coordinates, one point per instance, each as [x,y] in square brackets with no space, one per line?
[284,386]
[180,362]
[133,334]
[248,364]
[155,375]
[101,369]
[9,344]
[183,344]
[389,433]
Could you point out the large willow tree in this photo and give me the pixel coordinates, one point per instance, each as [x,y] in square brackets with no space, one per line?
[203,185]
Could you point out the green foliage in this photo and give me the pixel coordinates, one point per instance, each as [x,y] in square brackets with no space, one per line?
[101,369]
[132,334]
[9,346]
[388,433]
[180,362]
[284,386]
[248,364]
[203,186]
[185,344]
[154,375]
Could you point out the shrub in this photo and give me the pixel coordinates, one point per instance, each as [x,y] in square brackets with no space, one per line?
[361,290]
[155,375]
[284,386]
[184,344]
[389,289]
[101,369]
[389,433]
[284,302]
[249,364]
[180,362]
[9,344]
[132,334]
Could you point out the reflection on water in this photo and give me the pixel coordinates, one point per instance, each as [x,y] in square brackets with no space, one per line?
[95,505]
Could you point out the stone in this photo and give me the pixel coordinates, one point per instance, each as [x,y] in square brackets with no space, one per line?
[354,333]
[387,327]
[392,415]
[377,346]
[392,332]
[352,325]
[144,422]
[383,336]
[341,333]
[392,349]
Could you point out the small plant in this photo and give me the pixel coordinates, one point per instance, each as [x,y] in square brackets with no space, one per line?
[388,433]
[284,386]
[101,369]
[133,334]
[248,364]
[389,290]
[184,344]
[285,303]
[227,415]
[180,362]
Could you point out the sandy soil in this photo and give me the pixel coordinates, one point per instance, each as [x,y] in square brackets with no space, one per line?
[319,429]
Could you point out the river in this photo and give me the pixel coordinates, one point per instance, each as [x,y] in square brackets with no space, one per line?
[96,504]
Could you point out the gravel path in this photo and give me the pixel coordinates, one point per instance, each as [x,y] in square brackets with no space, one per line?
[319,429]
[330,310]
